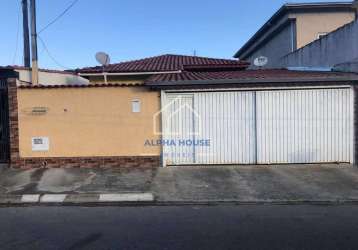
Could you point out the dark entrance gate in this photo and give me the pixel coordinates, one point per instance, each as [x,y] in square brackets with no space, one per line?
[4,123]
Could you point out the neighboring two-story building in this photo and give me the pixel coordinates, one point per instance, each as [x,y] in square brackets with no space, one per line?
[294,26]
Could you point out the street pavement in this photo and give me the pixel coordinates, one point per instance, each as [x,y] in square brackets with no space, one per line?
[184,227]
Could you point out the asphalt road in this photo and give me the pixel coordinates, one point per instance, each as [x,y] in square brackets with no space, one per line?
[186,227]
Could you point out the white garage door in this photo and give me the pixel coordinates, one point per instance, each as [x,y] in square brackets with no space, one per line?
[178,129]
[264,127]
[305,126]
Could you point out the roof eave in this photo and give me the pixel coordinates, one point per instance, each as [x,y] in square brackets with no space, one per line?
[8,73]
[266,25]
[128,73]
[185,83]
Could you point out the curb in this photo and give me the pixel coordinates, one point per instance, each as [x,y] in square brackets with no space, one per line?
[257,202]
[143,199]
[63,199]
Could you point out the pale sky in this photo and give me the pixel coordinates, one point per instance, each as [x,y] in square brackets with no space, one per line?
[130,29]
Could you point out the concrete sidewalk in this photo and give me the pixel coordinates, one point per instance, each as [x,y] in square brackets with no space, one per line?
[194,185]
[75,186]
[294,183]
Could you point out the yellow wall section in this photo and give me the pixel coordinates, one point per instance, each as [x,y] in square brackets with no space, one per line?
[310,24]
[88,121]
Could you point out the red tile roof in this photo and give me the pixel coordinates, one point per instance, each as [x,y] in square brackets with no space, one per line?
[166,63]
[246,75]
[186,78]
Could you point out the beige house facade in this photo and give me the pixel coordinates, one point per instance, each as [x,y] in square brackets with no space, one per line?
[311,26]
[108,116]
[107,119]
[204,114]
[88,121]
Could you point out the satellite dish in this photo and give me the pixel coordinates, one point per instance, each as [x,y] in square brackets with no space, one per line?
[261,61]
[103,58]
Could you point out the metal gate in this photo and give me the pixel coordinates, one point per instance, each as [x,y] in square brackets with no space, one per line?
[228,123]
[4,123]
[258,127]
[305,126]
[178,134]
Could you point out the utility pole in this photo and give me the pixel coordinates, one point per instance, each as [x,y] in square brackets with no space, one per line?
[355,6]
[25,24]
[35,70]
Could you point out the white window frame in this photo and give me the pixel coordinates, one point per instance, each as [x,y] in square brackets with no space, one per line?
[321,34]
[136,106]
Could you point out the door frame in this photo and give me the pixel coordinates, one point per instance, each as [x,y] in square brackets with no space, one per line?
[166,134]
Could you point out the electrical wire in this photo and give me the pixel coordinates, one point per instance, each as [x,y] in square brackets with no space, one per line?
[59,16]
[49,53]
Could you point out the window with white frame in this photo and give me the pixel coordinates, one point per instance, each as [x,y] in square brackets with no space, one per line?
[136,106]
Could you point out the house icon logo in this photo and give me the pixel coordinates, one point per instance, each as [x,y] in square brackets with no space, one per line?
[177,118]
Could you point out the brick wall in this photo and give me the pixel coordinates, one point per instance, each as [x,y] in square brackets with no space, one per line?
[89,162]
[14,123]
[64,162]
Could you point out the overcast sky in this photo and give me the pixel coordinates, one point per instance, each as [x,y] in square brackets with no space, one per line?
[130,29]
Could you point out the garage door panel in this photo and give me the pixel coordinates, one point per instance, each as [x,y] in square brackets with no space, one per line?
[178,128]
[228,122]
[225,119]
[304,126]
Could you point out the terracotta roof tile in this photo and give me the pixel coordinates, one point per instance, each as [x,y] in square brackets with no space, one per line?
[268,74]
[165,63]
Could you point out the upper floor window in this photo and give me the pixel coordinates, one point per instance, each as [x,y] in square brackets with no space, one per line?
[321,34]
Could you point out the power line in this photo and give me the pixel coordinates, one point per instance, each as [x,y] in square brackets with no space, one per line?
[59,16]
[49,53]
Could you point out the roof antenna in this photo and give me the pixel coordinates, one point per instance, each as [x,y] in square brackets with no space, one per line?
[194,52]
[104,60]
[261,61]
